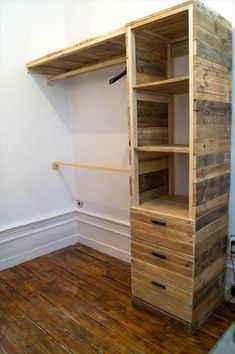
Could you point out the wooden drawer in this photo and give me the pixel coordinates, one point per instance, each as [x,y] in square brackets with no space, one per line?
[169,298]
[164,263]
[164,232]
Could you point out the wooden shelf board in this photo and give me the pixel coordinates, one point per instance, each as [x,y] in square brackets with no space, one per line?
[165,13]
[173,205]
[81,55]
[173,86]
[164,148]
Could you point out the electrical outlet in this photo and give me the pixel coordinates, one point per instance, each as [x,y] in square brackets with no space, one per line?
[80,203]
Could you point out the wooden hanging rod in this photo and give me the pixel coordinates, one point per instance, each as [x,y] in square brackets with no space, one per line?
[56,164]
[86,69]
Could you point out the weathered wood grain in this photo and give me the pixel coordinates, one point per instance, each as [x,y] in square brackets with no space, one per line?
[153,180]
[211,188]
[152,114]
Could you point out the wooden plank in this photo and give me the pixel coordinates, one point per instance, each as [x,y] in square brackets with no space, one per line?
[152,98]
[151,58]
[180,49]
[207,173]
[213,91]
[217,248]
[153,165]
[151,194]
[184,149]
[212,21]
[160,15]
[176,206]
[211,188]
[153,180]
[133,134]
[89,68]
[208,299]
[207,131]
[214,54]
[75,49]
[171,86]
[171,168]
[210,146]
[152,136]
[213,39]
[57,164]
[191,101]
[151,114]
[7,345]
[211,112]
[211,216]
[208,70]
[209,273]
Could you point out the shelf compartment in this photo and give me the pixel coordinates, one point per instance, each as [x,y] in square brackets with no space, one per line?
[81,55]
[174,205]
[173,86]
[184,149]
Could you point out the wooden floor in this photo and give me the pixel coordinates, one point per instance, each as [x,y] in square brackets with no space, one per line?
[78,300]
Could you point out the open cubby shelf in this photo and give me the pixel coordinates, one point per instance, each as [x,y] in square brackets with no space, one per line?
[173,205]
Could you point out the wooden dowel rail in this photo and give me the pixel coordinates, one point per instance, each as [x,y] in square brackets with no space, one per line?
[56,164]
[86,69]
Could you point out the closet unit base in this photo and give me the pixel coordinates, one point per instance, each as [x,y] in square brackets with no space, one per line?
[184,327]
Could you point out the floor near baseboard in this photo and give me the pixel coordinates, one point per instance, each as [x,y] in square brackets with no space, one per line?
[78,300]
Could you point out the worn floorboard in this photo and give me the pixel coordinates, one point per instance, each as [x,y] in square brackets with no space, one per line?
[78,300]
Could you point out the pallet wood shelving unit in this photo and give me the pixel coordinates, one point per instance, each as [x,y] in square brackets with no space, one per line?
[179,86]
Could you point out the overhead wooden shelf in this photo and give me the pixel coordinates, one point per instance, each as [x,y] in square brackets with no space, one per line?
[173,86]
[93,54]
[164,148]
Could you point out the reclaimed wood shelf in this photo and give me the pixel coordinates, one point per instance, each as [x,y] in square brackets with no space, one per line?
[89,55]
[164,148]
[173,205]
[173,86]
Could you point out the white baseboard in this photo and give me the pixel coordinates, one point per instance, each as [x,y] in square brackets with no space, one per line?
[104,234]
[22,243]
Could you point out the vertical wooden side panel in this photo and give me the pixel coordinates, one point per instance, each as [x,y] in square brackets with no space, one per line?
[191,100]
[171,166]
[133,134]
[211,175]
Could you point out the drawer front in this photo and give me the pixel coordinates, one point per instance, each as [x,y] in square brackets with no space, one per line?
[167,264]
[169,298]
[163,232]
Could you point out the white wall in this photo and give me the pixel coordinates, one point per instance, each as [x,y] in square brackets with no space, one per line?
[35,127]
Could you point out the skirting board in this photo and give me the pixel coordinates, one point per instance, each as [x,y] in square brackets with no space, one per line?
[22,243]
[105,235]
[25,242]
